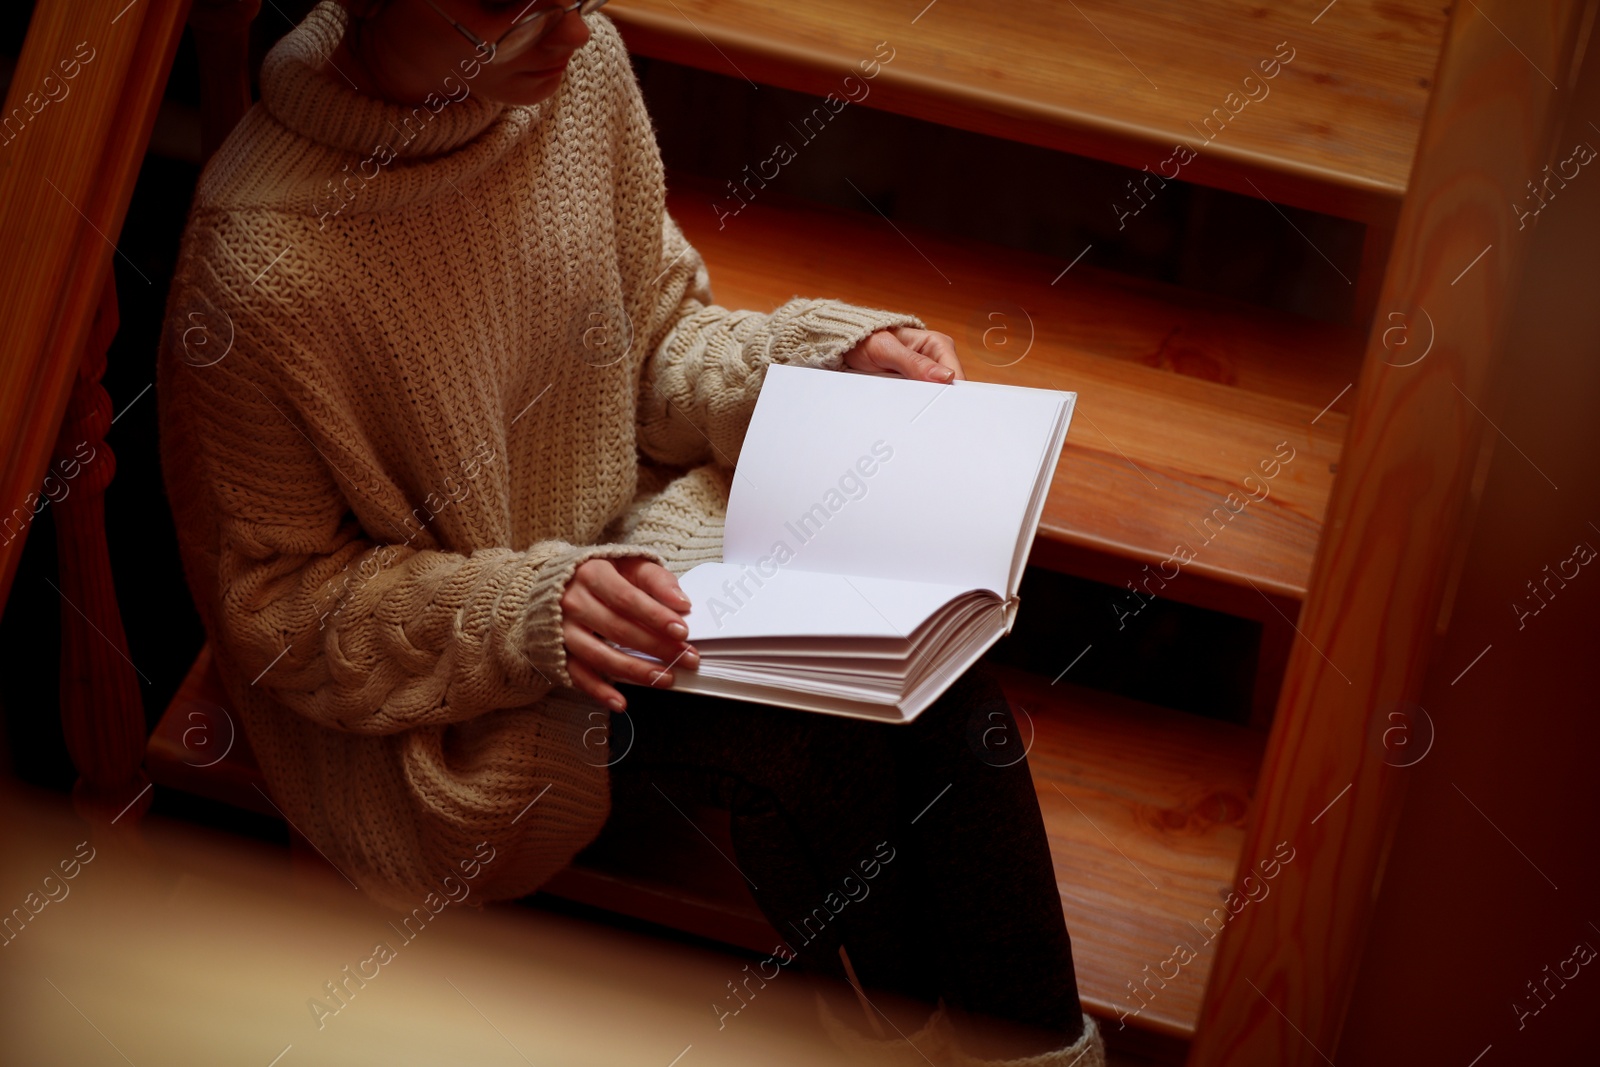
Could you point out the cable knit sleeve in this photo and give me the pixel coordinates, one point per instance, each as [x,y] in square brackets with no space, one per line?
[358,633]
[706,363]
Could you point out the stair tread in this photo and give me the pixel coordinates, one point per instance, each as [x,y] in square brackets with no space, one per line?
[1144,808]
[1180,395]
[1335,131]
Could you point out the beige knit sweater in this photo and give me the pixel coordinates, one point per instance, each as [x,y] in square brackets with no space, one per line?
[422,363]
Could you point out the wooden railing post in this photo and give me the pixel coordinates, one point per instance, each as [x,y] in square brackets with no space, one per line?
[102,712]
[65,182]
[1403,504]
[66,178]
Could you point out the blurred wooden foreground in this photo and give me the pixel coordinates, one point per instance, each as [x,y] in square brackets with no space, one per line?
[182,946]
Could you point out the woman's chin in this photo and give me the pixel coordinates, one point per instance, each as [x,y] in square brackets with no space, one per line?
[529,87]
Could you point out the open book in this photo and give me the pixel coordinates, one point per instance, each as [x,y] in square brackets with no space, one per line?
[877,531]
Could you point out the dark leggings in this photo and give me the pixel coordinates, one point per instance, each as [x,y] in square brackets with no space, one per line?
[965,905]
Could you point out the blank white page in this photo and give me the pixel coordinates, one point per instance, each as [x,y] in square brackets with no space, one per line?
[727,601]
[864,474]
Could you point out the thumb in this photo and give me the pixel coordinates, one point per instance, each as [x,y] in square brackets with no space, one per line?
[891,353]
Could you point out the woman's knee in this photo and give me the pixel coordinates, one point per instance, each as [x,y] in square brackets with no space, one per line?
[973,720]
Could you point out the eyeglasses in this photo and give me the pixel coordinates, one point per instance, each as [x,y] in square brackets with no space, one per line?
[525,31]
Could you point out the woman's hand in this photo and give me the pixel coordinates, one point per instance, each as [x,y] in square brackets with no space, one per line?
[920,354]
[637,604]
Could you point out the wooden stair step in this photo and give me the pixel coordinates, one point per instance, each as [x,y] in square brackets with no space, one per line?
[1145,811]
[1144,808]
[1334,130]
[1180,395]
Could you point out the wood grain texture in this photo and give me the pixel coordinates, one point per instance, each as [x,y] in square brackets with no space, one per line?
[1180,395]
[1334,130]
[65,182]
[1144,808]
[1400,511]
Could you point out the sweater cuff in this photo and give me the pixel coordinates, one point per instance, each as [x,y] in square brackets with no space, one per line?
[820,332]
[542,624]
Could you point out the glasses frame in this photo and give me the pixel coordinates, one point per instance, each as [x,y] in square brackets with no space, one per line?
[491,49]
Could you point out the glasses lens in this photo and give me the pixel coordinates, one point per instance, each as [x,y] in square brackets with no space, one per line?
[525,34]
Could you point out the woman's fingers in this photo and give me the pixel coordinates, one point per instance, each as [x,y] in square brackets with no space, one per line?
[622,601]
[616,589]
[583,607]
[587,681]
[656,580]
[939,347]
[920,354]
[611,663]
[894,354]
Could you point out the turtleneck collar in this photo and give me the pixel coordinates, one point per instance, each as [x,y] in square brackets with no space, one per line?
[300,87]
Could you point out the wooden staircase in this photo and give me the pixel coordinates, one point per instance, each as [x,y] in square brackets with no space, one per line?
[1154,815]
[1182,396]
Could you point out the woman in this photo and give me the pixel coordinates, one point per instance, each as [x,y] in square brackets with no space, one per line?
[448,405]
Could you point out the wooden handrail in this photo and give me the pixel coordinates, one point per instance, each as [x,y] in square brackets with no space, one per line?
[66,177]
[76,124]
[1402,504]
